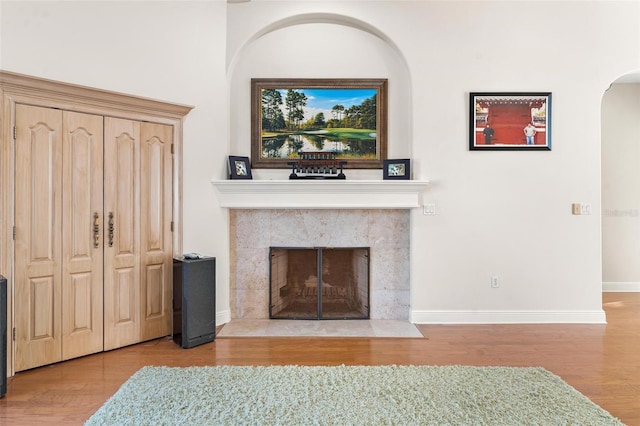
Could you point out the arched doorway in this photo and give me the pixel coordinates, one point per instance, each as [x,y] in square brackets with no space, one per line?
[621,184]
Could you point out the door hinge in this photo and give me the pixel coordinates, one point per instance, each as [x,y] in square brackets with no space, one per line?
[14,233]
[172,225]
[13,334]
[172,149]
[15,133]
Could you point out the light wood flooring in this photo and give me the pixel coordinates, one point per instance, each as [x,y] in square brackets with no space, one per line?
[601,361]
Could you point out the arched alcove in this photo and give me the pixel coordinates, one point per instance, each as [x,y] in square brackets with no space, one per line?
[306,47]
[320,46]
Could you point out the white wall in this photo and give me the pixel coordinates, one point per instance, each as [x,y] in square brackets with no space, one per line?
[498,213]
[171,51]
[621,188]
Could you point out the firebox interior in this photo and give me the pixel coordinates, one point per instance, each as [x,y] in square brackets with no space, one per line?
[319,283]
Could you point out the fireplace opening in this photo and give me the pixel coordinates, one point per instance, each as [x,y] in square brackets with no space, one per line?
[319,283]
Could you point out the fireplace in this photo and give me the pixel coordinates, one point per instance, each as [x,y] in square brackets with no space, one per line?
[266,213]
[385,232]
[319,283]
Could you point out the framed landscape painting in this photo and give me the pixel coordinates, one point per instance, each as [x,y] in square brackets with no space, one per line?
[347,117]
[510,121]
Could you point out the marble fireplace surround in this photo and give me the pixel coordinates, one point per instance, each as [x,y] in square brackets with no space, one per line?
[265,213]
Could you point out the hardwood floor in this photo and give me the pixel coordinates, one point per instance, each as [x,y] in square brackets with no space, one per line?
[601,361]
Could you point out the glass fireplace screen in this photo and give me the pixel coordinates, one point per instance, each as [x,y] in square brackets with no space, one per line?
[319,283]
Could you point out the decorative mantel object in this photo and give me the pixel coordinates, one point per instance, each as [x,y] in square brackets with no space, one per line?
[317,165]
[239,167]
[344,116]
[397,169]
[510,121]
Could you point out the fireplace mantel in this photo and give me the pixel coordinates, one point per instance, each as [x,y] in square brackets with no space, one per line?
[319,194]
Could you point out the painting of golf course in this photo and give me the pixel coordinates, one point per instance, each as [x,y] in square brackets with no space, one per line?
[345,117]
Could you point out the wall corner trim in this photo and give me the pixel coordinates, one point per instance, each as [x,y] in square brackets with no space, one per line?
[223,317]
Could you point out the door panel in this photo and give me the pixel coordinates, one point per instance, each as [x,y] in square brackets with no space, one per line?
[93,255]
[38,243]
[126,299]
[155,224]
[82,228]
[121,253]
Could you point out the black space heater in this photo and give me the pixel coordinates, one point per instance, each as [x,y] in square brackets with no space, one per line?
[194,300]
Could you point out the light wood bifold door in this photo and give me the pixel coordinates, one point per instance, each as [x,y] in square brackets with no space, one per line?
[58,261]
[93,243]
[90,219]
[138,259]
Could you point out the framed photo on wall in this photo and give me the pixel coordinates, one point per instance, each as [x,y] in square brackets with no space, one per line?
[510,121]
[397,169]
[239,167]
[347,117]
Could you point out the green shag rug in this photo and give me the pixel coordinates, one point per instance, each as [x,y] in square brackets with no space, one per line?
[348,395]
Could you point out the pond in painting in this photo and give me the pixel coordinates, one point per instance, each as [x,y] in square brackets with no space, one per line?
[289,145]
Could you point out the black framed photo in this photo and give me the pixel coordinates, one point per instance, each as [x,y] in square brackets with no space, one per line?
[239,167]
[346,117]
[397,169]
[510,121]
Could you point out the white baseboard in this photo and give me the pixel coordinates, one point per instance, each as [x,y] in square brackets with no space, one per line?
[488,317]
[508,317]
[620,287]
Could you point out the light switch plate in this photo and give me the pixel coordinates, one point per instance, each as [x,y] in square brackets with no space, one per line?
[429,209]
[580,209]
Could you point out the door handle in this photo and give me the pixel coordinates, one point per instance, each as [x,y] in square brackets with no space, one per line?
[111,229]
[96,230]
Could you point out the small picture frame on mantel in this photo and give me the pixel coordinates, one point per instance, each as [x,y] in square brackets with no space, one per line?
[239,167]
[396,169]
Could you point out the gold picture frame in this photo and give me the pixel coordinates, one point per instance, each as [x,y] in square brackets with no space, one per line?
[344,116]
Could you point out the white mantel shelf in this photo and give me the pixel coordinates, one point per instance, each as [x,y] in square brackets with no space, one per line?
[319,194]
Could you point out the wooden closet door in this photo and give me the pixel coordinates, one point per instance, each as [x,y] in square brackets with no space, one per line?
[122,245]
[82,234]
[38,240]
[155,224]
[138,258]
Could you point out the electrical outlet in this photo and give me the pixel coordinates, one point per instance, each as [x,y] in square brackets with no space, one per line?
[495,283]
